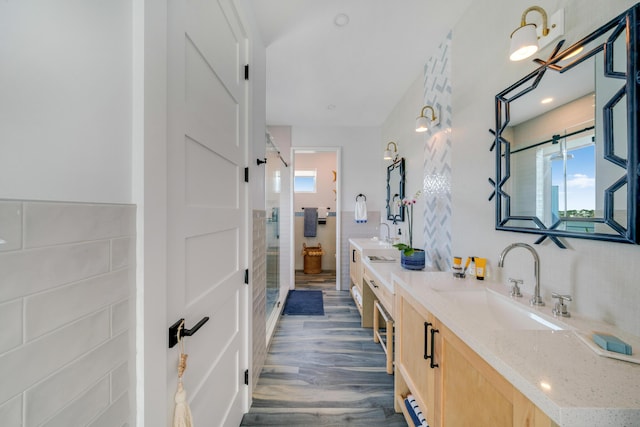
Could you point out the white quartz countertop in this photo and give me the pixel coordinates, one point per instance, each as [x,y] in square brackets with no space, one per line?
[366,244]
[383,272]
[554,369]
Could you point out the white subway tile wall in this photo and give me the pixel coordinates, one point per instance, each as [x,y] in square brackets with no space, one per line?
[67,278]
[258,281]
[11,221]
[11,412]
[353,230]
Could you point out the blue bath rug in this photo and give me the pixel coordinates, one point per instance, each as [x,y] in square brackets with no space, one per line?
[306,303]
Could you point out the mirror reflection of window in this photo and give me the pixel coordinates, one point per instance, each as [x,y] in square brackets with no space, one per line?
[573,176]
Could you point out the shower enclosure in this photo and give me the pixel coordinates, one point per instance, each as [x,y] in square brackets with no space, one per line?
[274,169]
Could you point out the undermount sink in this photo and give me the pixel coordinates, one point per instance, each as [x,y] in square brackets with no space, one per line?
[381,243]
[497,312]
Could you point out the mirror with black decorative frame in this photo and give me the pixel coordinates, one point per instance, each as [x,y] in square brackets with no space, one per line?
[567,142]
[395,190]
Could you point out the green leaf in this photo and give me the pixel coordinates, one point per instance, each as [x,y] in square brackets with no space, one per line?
[406,249]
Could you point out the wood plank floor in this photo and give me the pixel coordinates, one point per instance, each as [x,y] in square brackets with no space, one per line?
[324,370]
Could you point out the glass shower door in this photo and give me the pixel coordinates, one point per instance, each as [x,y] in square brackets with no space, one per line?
[272,183]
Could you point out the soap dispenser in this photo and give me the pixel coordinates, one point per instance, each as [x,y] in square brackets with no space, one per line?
[472,268]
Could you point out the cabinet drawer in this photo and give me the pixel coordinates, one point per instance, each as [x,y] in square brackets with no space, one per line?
[381,292]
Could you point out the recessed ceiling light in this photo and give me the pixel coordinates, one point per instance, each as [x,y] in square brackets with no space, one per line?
[341,20]
[546,101]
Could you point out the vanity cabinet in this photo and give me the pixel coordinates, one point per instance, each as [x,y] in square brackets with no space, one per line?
[414,373]
[355,273]
[378,291]
[452,384]
[378,309]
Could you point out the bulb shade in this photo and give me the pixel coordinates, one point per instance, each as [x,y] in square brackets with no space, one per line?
[422,124]
[524,42]
[387,155]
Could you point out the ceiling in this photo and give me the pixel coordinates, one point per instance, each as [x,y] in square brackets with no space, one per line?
[323,74]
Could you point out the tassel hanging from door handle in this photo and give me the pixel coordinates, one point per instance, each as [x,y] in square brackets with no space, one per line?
[181,413]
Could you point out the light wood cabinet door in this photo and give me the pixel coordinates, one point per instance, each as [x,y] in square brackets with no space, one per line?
[473,393]
[463,389]
[414,327]
[355,267]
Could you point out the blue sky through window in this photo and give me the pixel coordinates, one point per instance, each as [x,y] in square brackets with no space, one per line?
[304,181]
[581,178]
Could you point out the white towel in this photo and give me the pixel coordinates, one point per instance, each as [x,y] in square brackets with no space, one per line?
[356,294]
[361,210]
[417,411]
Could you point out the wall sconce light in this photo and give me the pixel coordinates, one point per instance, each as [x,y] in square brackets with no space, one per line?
[527,38]
[422,122]
[388,155]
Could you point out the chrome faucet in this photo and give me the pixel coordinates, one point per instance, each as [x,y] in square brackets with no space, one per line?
[536,300]
[388,238]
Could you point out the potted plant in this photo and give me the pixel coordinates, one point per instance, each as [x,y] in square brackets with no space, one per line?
[411,258]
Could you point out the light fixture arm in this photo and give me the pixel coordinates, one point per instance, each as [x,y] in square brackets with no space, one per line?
[433,112]
[523,20]
[395,147]
[388,155]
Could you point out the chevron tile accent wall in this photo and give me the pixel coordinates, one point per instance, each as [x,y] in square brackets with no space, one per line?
[437,159]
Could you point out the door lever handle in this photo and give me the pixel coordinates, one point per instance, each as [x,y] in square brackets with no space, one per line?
[178,331]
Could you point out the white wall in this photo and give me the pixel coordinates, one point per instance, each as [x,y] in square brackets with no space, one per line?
[257,99]
[601,276]
[400,127]
[361,160]
[324,163]
[65,109]
[66,135]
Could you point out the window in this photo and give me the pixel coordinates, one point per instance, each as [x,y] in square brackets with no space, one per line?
[566,182]
[304,181]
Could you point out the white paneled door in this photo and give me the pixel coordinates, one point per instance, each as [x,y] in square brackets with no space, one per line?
[207,215]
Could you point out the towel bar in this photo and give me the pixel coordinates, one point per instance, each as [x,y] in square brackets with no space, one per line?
[387,345]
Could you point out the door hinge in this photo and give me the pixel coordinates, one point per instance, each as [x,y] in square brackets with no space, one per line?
[246,174]
[246,72]
[246,276]
[246,377]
